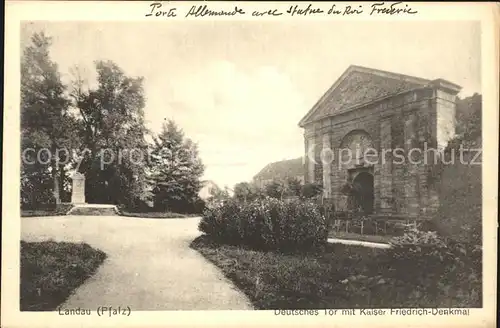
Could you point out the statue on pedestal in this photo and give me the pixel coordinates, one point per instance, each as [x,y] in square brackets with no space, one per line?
[78,189]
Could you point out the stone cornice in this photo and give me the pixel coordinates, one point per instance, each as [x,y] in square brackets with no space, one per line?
[437,84]
[372,102]
[360,69]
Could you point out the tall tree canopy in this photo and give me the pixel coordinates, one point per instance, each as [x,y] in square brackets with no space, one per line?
[45,123]
[176,169]
[112,127]
[99,131]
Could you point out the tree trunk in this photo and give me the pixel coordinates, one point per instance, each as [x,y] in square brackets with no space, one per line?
[62,176]
[57,195]
[55,173]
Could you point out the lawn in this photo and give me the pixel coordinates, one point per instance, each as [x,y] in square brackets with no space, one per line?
[62,210]
[58,210]
[50,271]
[340,276]
[32,213]
[157,215]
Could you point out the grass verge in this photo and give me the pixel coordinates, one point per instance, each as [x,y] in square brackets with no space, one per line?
[60,209]
[340,276]
[157,215]
[50,271]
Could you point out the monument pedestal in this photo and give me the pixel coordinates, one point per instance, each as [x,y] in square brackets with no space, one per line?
[80,206]
[78,190]
[94,210]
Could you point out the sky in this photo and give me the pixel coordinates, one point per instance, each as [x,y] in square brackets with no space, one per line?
[239,88]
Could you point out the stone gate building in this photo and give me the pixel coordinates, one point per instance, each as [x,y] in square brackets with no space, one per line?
[379,117]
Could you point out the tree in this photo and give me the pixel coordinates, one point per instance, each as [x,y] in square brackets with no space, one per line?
[242,191]
[45,123]
[293,186]
[280,188]
[217,196]
[311,190]
[274,189]
[176,170]
[246,191]
[468,122]
[113,134]
[459,215]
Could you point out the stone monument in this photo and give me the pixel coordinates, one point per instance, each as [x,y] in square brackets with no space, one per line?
[78,190]
[80,207]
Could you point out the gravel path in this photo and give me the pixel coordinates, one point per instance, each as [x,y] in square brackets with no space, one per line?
[149,266]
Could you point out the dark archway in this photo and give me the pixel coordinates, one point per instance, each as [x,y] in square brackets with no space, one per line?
[363,185]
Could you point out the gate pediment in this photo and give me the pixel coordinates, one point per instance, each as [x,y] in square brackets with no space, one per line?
[357,86]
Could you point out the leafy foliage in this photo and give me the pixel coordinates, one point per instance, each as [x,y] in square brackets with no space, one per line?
[338,277]
[103,134]
[112,127]
[444,260]
[46,123]
[176,170]
[468,119]
[245,191]
[311,190]
[460,187]
[267,224]
[293,187]
[280,189]
[275,189]
[218,196]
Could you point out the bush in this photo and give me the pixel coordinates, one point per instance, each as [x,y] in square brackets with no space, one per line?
[194,205]
[311,190]
[441,267]
[416,250]
[429,270]
[267,224]
[37,199]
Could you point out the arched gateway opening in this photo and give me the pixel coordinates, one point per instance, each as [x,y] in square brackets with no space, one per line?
[364,196]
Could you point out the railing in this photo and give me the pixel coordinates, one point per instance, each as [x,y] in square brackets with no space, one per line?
[385,225]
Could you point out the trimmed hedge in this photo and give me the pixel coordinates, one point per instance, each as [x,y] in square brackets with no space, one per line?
[268,224]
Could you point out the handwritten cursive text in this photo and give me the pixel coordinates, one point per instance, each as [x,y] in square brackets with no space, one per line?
[202,11]
[394,9]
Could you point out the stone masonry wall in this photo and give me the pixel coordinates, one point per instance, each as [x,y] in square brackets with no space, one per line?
[406,121]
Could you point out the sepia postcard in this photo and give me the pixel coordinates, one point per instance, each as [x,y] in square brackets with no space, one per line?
[237,163]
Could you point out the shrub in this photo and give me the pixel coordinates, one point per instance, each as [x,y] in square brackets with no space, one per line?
[416,250]
[275,189]
[311,190]
[441,267]
[247,192]
[37,199]
[215,222]
[267,224]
